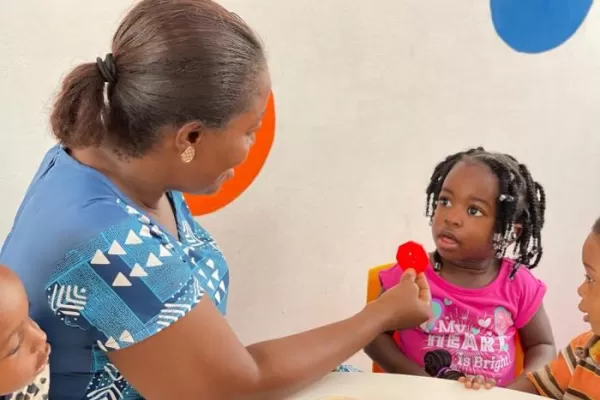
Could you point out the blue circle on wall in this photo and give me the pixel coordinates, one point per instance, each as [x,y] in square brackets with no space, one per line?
[535,26]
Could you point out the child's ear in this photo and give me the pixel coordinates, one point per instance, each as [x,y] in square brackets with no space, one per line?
[517,229]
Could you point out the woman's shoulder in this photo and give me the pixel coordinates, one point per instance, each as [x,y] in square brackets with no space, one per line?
[65,203]
[65,244]
[64,198]
[132,279]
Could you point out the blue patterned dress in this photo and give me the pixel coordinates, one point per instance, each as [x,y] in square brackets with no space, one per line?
[101,275]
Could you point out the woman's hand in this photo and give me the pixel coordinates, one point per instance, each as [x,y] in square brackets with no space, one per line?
[406,305]
[477,382]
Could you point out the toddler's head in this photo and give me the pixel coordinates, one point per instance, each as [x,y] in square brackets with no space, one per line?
[590,288]
[480,203]
[23,348]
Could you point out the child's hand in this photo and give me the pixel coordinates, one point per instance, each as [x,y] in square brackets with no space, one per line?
[477,382]
[408,304]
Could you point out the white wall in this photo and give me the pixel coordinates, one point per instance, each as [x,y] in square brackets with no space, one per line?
[368,100]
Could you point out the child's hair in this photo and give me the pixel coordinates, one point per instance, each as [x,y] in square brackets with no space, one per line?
[437,364]
[596,227]
[522,200]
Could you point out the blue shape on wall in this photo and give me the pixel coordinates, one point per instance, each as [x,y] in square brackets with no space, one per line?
[535,26]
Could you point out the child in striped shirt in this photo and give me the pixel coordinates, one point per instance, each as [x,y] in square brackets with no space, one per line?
[575,373]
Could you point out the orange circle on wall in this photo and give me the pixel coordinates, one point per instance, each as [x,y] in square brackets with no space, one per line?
[244,173]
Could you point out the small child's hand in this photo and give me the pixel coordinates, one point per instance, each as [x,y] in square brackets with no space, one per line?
[477,382]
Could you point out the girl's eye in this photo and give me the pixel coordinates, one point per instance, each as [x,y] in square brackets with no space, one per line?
[444,202]
[589,279]
[474,212]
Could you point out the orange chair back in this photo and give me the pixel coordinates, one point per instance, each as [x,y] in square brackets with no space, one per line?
[374,289]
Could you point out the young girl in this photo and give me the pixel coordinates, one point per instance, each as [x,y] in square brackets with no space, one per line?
[24,351]
[575,373]
[479,203]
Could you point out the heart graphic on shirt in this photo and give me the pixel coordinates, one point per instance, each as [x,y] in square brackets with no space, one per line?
[437,310]
[485,323]
[447,302]
[475,331]
[502,320]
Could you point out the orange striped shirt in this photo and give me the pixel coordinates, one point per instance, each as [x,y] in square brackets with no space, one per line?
[574,374]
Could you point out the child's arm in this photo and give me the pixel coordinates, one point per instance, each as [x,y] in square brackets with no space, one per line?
[385,352]
[523,385]
[537,341]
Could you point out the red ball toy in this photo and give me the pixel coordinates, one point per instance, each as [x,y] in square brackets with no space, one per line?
[412,255]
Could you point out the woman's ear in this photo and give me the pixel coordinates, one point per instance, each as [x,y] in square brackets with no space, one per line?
[188,135]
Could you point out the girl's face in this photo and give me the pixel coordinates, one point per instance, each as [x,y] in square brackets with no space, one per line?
[24,351]
[590,288]
[465,215]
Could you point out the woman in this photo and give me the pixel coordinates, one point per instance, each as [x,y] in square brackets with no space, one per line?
[129,288]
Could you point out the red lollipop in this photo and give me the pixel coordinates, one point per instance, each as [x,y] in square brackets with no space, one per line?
[412,255]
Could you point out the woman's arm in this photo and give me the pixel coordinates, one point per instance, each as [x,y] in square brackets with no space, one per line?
[199,356]
[537,341]
[385,352]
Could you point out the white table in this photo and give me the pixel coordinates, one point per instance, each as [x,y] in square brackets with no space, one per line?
[368,386]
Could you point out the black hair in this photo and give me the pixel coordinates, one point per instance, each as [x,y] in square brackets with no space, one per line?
[437,364]
[172,62]
[522,200]
[596,227]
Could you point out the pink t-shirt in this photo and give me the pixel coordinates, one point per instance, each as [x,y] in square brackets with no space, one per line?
[473,330]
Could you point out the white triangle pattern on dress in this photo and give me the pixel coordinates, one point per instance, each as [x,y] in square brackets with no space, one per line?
[145,231]
[101,345]
[112,343]
[198,291]
[153,261]
[132,210]
[99,259]
[132,239]
[126,337]
[116,249]
[121,281]
[164,252]
[171,312]
[138,272]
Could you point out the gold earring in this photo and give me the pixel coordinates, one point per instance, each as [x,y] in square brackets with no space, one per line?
[188,155]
